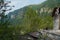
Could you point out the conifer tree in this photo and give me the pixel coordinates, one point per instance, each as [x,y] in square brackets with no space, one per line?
[6,33]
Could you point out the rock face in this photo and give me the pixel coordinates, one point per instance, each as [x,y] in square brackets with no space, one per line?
[56,19]
[56,23]
[59,21]
[51,34]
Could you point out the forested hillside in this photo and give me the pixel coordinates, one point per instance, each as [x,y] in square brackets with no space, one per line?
[26,20]
[34,16]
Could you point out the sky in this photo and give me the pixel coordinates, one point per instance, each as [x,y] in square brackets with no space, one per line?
[21,3]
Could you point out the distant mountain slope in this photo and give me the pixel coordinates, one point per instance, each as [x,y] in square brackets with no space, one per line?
[46,7]
[16,16]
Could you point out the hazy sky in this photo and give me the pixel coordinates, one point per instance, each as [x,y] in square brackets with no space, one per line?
[21,3]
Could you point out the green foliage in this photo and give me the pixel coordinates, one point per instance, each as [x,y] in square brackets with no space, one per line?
[33,21]
[30,21]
